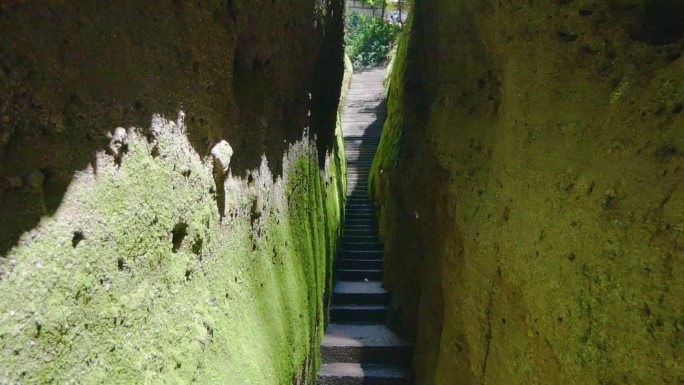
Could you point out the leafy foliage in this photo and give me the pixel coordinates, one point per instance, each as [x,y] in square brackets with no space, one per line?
[369,40]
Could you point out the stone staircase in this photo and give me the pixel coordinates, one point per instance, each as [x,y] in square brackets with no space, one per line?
[358,348]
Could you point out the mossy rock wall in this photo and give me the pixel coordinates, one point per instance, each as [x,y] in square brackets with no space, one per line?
[530,187]
[128,256]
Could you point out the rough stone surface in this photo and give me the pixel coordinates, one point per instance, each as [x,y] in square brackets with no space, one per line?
[242,71]
[361,335]
[530,192]
[131,263]
[358,374]
[222,152]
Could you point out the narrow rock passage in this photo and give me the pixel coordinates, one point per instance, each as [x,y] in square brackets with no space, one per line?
[358,348]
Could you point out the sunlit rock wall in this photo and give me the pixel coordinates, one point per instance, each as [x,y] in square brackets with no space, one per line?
[530,185]
[140,244]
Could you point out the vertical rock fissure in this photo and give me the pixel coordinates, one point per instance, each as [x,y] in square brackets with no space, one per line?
[358,347]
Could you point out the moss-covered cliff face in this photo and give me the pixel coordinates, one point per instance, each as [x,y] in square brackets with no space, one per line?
[532,172]
[149,254]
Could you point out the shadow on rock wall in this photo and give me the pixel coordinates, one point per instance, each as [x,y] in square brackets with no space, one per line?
[531,171]
[72,72]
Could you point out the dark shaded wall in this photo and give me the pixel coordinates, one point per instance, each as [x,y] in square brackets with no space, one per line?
[244,71]
[171,189]
[530,185]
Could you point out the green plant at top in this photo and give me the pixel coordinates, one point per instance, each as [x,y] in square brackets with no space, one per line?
[368,40]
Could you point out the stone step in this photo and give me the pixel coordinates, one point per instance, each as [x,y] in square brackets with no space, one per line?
[366,344]
[358,349]
[364,204]
[360,293]
[353,222]
[359,274]
[360,216]
[360,209]
[361,231]
[370,143]
[352,148]
[358,195]
[370,239]
[361,254]
[358,224]
[359,206]
[361,138]
[361,243]
[358,374]
[358,314]
[348,263]
[365,218]
[372,246]
[359,288]
[359,199]
[367,126]
[360,203]
[361,221]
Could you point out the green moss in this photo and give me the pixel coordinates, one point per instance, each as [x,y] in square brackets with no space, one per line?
[236,301]
[385,159]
